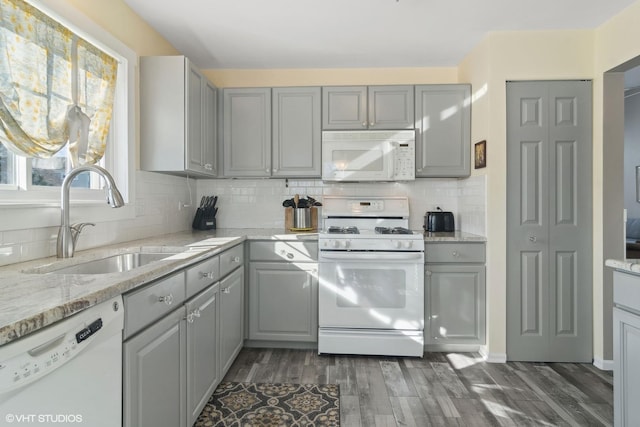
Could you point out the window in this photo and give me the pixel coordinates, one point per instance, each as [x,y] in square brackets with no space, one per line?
[32,180]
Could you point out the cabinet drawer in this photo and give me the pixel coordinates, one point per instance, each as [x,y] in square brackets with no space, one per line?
[230,259]
[152,302]
[454,252]
[284,251]
[202,275]
[626,290]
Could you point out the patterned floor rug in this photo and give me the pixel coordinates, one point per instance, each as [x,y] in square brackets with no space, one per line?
[249,404]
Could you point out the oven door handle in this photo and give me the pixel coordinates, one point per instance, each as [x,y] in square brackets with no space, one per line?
[372,256]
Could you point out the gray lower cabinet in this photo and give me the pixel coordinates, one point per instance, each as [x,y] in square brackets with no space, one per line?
[626,349]
[181,334]
[454,295]
[283,291]
[443,130]
[231,318]
[367,107]
[155,374]
[203,370]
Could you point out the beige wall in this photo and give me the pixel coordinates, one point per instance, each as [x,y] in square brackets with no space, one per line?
[501,56]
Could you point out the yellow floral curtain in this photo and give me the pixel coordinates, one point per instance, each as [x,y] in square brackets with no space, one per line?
[55,87]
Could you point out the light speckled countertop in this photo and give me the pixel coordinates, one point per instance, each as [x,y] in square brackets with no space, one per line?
[629,265]
[32,297]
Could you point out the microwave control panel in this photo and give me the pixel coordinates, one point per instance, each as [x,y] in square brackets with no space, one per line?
[405,161]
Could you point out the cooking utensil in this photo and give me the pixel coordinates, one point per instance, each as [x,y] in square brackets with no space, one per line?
[296,200]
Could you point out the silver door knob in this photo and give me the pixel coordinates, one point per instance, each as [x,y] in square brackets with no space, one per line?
[533,238]
[167,299]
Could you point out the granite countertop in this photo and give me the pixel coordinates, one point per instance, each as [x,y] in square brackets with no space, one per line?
[33,297]
[628,265]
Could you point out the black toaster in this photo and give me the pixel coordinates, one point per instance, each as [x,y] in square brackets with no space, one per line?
[437,221]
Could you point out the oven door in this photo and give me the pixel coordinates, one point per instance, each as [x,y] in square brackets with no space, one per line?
[371,290]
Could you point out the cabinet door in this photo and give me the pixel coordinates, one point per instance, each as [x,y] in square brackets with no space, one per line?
[154,375]
[391,107]
[455,304]
[247,132]
[209,129]
[344,107]
[283,301]
[231,318]
[193,113]
[443,137]
[296,132]
[626,353]
[203,373]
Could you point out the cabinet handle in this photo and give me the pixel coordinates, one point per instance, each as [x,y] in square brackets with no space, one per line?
[208,166]
[275,170]
[234,259]
[267,170]
[189,317]
[364,124]
[196,312]
[207,275]
[372,123]
[226,290]
[455,254]
[167,299]
[533,239]
[427,273]
[289,255]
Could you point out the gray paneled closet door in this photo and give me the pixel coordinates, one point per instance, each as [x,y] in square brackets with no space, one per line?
[549,221]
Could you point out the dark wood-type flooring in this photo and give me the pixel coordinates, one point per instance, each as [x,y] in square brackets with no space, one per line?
[443,389]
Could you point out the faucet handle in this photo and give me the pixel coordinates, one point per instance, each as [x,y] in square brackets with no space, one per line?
[79,226]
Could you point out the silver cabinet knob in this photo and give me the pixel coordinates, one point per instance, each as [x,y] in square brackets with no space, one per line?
[226,291]
[267,170]
[207,275]
[167,299]
[208,166]
[235,259]
[455,254]
[372,124]
[275,170]
[364,124]
[533,238]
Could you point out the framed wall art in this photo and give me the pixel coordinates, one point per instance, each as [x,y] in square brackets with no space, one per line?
[480,154]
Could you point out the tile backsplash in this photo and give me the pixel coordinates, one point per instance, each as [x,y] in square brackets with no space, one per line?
[255,203]
[246,203]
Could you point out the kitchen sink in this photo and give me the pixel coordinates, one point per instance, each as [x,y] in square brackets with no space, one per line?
[114,264]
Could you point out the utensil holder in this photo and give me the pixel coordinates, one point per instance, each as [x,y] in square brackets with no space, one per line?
[289,223]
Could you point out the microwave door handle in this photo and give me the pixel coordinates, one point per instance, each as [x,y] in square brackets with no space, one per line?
[392,167]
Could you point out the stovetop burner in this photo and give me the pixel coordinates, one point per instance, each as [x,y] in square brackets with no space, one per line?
[394,230]
[343,230]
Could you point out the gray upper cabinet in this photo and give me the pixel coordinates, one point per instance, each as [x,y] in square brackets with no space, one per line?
[296,132]
[177,117]
[368,107]
[443,137]
[247,132]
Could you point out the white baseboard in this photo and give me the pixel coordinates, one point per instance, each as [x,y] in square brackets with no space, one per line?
[603,365]
[492,357]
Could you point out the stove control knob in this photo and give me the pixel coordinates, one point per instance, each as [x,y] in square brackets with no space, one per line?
[347,243]
[408,244]
[335,243]
[397,244]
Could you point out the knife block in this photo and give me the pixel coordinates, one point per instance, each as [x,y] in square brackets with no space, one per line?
[288,218]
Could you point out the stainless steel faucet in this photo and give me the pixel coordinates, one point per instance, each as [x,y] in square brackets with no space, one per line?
[68,234]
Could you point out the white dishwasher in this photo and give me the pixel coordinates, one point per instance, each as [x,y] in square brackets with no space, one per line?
[69,373]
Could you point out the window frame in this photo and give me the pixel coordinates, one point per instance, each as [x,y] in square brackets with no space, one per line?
[119,157]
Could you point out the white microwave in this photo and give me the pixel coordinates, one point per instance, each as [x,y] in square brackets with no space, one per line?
[369,155]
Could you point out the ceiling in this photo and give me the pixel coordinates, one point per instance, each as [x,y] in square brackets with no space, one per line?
[259,34]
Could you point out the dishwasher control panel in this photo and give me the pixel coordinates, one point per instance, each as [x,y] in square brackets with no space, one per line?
[37,354]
